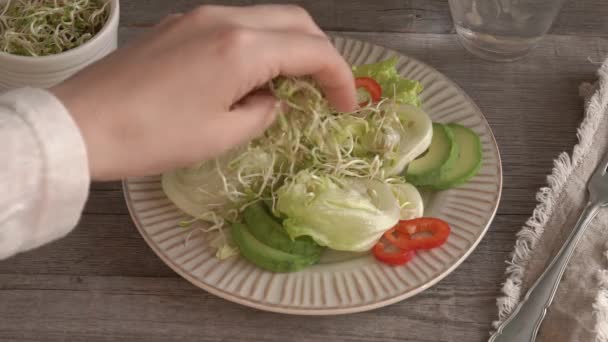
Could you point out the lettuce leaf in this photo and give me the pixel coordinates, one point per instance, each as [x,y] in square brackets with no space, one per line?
[349,215]
[394,86]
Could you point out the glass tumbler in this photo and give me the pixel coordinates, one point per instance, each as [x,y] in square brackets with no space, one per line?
[502,30]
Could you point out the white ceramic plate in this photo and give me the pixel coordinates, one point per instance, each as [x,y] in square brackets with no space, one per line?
[346,284]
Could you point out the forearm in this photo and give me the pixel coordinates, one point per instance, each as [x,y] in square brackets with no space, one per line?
[45,177]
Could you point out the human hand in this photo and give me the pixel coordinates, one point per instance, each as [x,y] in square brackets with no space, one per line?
[183,93]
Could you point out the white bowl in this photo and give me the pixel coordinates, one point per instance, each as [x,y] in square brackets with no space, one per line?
[46,71]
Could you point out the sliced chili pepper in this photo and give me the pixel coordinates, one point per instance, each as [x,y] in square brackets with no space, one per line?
[371,86]
[398,257]
[407,239]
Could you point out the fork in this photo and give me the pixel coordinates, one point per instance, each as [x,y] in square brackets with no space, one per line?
[524,322]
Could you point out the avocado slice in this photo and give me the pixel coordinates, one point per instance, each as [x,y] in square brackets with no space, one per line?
[442,153]
[267,257]
[264,227]
[469,159]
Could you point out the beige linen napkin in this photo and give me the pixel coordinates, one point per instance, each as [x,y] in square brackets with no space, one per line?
[580,309]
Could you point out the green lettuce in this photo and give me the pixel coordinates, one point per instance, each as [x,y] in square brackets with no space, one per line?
[394,86]
[345,215]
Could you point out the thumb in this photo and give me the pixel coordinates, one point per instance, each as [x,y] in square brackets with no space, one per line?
[250,117]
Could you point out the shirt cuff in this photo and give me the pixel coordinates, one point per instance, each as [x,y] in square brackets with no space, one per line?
[63,181]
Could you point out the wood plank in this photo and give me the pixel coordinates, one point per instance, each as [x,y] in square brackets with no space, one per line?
[339,15]
[582,17]
[56,308]
[103,244]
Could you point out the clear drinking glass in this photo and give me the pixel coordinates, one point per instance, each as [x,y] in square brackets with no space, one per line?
[502,30]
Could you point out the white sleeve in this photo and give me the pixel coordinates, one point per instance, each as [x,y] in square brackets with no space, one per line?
[44,175]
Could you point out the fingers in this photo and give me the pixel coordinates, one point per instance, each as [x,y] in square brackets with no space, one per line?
[298,55]
[261,17]
[247,120]
[286,41]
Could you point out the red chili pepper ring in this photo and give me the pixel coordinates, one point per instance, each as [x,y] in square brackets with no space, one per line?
[398,257]
[407,230]
[371,86]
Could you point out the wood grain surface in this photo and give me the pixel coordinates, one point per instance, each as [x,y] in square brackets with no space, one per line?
[102,282]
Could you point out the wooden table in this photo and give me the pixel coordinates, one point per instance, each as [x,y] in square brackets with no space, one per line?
[103,283]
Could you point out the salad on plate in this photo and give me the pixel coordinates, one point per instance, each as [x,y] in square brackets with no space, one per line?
[320,179]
